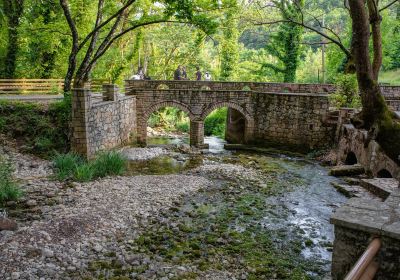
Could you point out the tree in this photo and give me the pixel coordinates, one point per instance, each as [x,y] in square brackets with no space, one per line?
[13,10]
[285,44]
[115,21]
[366,62]
[229,44]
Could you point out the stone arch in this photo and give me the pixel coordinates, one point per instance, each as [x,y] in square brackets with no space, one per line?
[235,106]
[158,106]
[248,126]
[162,87]
[246,88]
[384,173]
[351,158]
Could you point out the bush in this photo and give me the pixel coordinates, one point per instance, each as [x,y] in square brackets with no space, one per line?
[72,166]
[346,94]
[215,123]
[9,190]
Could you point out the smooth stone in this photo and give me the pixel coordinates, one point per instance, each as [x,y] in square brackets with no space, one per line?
[7,224]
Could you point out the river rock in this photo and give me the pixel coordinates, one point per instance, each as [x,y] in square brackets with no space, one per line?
[347,170]
[31,203]
[7,224]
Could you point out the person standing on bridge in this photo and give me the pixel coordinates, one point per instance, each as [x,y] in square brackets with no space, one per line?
[198,74]
[184,74]
[178,73]
[207,76]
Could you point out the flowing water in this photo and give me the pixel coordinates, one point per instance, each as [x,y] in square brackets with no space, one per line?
[298,213]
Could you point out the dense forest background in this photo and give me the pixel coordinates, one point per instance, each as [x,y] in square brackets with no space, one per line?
[250,41]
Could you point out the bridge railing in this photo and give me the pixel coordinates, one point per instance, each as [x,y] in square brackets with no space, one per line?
[41,86]
[217,85]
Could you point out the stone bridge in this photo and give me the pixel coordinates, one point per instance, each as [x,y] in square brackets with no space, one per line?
[284,114]
[266,113]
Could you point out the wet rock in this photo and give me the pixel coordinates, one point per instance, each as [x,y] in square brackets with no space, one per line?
[347,170]
[15,275]
[7,224]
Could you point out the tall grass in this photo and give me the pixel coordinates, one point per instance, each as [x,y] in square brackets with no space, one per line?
[71,166]
[9,190]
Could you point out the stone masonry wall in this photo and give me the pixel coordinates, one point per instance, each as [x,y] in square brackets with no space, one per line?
[101,125]
[110,124]
[372,157]
[292,120]
[356,224]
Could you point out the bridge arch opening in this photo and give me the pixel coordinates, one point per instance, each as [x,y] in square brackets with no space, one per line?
[227,121]
[163,121]
[384,173]
[351,159]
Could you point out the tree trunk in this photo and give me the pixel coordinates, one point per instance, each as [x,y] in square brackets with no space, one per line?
[375,115]
[13,10]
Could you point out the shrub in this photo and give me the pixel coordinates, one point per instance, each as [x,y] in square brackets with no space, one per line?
[346,94]
[74,167]
[9,190]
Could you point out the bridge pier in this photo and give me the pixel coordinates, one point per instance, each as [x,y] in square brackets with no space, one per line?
[197,134]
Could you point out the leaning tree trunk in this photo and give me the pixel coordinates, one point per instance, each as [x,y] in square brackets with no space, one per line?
[375,115]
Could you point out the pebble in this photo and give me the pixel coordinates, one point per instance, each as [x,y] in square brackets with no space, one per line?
[31,203]
[47,253]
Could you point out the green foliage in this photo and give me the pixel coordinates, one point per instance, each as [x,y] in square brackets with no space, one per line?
[72,166]
[39,130]
[284,45]
[346,94]
[9,190]
[390,77]
[215,123]
[229,45]
[170,119]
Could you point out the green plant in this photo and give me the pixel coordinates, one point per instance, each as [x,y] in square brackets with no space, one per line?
[75,167]
[84,173]
[9,190]
[108,163]
[66,164]
[346,94]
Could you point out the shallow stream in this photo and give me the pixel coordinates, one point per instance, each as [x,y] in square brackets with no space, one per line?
[265,217]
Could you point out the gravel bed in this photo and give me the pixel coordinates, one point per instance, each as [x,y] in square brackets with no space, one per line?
[88,224]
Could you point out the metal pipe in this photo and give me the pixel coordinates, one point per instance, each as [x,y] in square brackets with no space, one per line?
[364,262]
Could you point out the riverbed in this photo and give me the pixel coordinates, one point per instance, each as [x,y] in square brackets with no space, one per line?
[177,214]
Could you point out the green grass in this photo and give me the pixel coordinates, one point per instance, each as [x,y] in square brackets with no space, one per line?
[9,190]
[72,166]
[390,77]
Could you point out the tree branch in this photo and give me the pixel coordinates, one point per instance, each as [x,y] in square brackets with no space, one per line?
[389,5]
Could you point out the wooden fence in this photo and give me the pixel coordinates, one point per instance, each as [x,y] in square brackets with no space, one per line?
[41,86]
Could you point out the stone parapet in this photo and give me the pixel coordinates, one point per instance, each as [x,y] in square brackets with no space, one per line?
[98,126]
[356,224]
